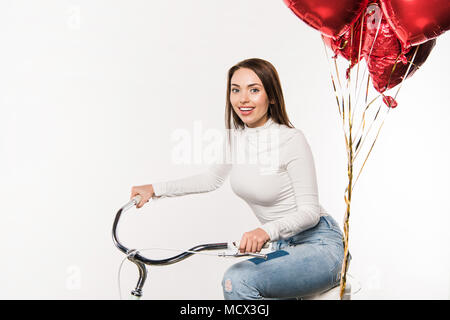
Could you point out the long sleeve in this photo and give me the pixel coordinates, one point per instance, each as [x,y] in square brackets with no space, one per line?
[206,181]
[301,170]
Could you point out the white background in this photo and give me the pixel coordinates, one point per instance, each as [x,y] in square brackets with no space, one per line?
[90,93]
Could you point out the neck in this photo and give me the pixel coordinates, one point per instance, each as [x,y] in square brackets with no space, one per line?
[259,123]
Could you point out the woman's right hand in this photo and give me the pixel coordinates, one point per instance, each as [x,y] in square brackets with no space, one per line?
[145,191]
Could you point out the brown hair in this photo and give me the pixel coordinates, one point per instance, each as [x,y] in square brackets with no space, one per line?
[268,75]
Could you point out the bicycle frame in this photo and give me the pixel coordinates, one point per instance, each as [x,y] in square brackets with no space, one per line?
[141,261]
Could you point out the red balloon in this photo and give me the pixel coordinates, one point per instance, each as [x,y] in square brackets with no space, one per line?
[387,58]
[359,39]
[380,41]
[417,21]
[348,45]
[331,17]
[388,61]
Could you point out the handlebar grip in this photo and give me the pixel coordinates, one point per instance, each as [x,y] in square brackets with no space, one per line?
[137,199]
[133,202]
[265,246]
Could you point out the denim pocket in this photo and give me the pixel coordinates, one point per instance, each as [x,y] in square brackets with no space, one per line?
[334,254]
[332,224]
[296,240]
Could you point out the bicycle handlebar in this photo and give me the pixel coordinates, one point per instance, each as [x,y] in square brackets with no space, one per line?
[137,256]
[134,255]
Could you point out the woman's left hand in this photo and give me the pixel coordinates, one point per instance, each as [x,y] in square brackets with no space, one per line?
[253,241]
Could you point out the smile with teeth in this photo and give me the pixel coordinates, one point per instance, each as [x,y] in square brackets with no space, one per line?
[245,111]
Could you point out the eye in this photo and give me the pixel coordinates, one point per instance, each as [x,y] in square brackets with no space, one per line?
[254,90]
[234,90]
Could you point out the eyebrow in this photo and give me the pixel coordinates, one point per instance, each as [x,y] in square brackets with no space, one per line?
[250,85]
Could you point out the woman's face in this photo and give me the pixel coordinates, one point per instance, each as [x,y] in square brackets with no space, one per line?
[248,97]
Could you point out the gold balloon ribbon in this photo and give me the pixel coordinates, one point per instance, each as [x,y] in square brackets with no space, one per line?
[355,142]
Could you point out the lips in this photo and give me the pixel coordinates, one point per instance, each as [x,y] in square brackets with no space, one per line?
[246,110]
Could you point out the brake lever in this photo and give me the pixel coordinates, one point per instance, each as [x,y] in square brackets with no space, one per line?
[239,254]
[234,251]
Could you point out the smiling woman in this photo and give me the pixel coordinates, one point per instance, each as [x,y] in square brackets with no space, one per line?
[248,94]
[306,240]
[254,83]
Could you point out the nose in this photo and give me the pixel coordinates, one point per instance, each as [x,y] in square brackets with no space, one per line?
[243,98]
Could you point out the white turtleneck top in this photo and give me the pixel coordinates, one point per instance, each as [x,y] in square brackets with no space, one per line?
[271,168]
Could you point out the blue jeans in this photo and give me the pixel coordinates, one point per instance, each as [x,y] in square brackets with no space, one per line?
[305,264]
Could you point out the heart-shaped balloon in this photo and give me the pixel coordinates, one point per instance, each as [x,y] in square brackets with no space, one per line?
[348,45]
[331,17]
[417,21]
[388,60]
[359,40]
